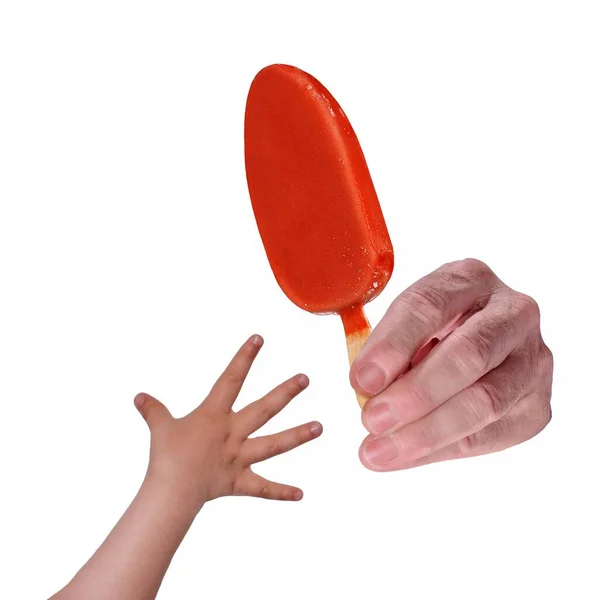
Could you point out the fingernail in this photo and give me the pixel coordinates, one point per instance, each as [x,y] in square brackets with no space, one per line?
[316,429]
[380,451]
[380,418]
[302,381]
[139,400]
[297,495]
[257,340]
[371,378]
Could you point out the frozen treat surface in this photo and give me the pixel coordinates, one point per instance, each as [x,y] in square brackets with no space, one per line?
[314,201]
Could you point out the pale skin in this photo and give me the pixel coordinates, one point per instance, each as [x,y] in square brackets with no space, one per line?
[456,368]
[202,456]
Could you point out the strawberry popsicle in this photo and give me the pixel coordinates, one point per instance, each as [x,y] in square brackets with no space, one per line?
[314,201]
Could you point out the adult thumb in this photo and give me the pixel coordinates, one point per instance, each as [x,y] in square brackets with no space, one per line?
[152,410]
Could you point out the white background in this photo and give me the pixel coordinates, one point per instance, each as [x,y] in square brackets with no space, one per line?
[130,261]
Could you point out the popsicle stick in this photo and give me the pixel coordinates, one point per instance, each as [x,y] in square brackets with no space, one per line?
[357,329]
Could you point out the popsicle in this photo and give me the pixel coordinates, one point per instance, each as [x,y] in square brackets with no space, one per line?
[314,202]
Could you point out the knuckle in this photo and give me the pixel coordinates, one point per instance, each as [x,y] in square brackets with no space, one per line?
[465,273]
[528,308]
[489,405]
[425,303]
[547,360]
[421,440]
[473,352]
[395,344]
[481,442]
[147,405]
[233,376]
[275,447]
[477,443]
[264,492]
[232,453]
[266,413]
[474,265]
[149,408]
[418,401]
[541,421]
[471,268]
[467,445]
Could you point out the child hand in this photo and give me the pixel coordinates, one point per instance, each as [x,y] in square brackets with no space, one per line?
[208,453]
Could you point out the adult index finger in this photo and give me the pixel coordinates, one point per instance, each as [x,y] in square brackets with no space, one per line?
[418,315]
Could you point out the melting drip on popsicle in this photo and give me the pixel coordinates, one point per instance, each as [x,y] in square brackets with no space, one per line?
[314,201]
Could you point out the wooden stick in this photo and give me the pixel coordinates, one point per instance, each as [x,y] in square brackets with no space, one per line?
[357,330]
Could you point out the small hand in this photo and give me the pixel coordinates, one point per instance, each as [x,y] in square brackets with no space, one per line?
[457,368]
[208,453]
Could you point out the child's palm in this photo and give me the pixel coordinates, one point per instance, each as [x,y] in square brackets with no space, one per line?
[209,453]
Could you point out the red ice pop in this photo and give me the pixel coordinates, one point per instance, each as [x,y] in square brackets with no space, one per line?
[314,201]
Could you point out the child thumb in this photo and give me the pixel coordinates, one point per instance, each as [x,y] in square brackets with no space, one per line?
[152,410]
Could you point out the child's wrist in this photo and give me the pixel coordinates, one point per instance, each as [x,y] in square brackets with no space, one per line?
[175,490]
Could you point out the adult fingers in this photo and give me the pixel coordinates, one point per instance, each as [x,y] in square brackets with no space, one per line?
[267,446]
[228,386]
[427,348]
[466,413]
[482,343]
[423,352]
[525,420]
[419,314]
[256,414]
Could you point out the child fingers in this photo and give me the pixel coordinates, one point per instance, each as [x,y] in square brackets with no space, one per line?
[259,487]
[264,447]
[228,386]
[255,415]
[152,410]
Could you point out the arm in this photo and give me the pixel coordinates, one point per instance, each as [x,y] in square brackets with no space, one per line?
[457,368]
[133,560]
[197,458]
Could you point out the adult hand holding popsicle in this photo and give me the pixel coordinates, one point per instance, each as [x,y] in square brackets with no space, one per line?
[480,378]
[457,367]
[314,201]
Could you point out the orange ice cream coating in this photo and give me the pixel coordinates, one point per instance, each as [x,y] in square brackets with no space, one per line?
[313,198]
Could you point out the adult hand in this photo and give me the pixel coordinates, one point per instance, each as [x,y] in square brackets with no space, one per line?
[456,368]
